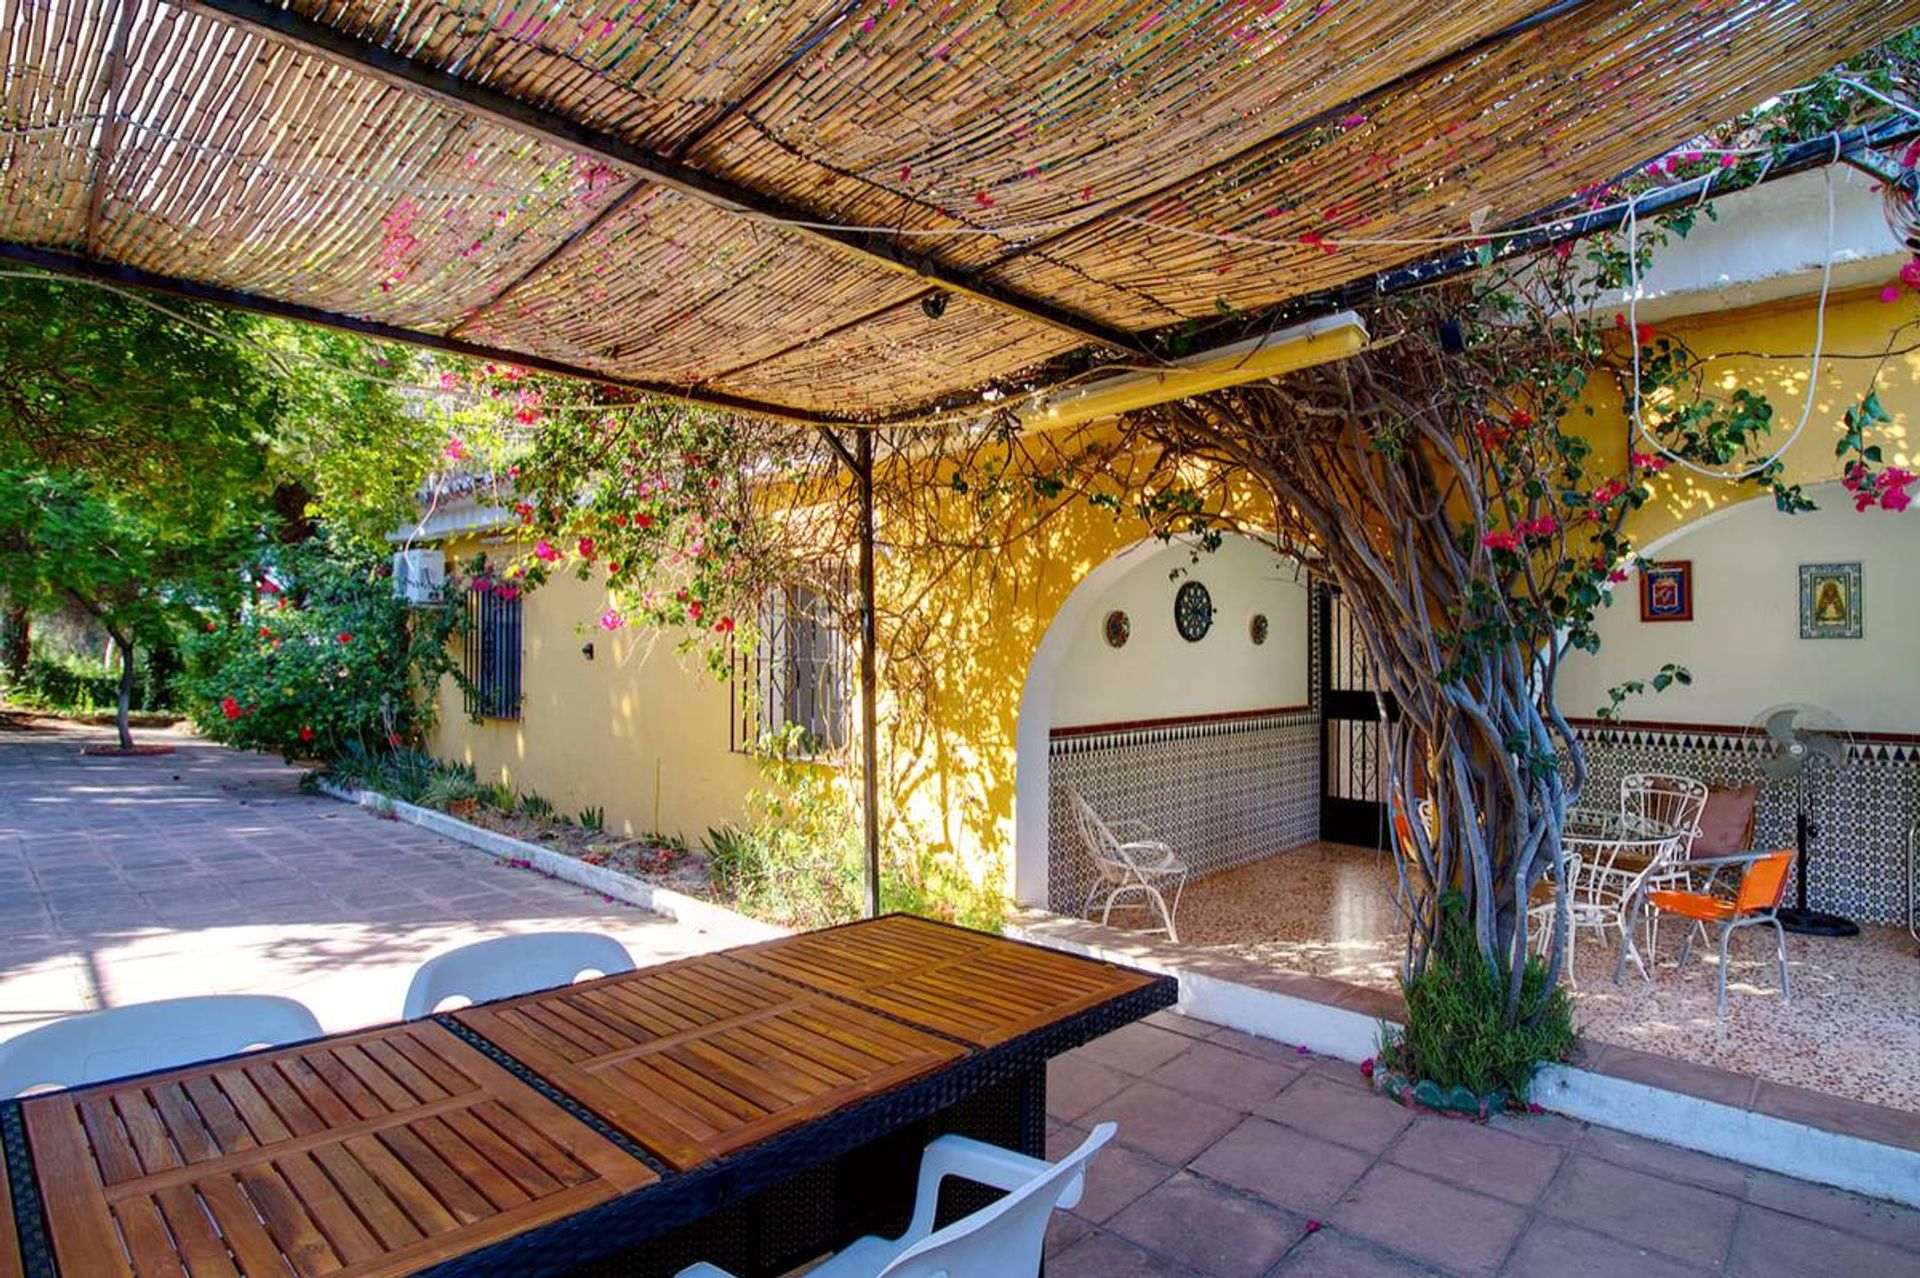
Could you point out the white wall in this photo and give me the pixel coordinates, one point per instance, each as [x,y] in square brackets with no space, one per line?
[1743,646]
[1159,675]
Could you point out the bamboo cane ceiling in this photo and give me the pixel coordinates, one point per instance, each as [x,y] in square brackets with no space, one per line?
[620,186]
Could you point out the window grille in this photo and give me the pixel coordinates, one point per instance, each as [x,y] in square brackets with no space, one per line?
[493,655]
[799,673]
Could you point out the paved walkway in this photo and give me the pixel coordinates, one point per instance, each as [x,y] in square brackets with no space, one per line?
[207,871]
[1241,1158]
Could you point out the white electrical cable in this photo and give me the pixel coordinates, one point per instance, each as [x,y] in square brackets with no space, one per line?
[1813,375]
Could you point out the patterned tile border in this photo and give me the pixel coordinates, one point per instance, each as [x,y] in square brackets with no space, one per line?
[1222,790]
[1862,811]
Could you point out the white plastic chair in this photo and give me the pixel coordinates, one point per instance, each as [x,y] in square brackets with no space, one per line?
[1003,1240]
[1141,865]
[510,965]
[142,1037]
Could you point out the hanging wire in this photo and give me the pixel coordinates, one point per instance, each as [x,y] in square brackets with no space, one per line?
[1813,374]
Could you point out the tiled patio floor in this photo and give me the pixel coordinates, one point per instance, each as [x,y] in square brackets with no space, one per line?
[1231,1149]
[1852,1028]
[207,871]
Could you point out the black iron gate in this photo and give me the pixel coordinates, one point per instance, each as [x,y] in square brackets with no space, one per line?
[1353,786]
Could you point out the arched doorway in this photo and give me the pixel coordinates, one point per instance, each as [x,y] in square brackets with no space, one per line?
[1209,740]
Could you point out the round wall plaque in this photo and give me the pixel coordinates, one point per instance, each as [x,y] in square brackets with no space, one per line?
[1193,611]
[1257,628]
[1118,629]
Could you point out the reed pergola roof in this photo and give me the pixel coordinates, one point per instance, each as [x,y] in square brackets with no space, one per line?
[833,210]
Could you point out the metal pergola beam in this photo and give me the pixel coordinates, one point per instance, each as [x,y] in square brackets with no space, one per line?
[61,263]
[286,27]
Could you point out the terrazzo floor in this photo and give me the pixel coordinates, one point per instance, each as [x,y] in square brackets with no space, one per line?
[1852,1028]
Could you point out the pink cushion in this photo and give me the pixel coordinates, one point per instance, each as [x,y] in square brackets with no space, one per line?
[1726,821]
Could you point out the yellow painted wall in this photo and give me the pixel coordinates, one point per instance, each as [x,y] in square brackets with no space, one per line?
[640,730]
[602,732]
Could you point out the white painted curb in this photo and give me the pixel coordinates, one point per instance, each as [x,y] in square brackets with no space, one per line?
[664,901]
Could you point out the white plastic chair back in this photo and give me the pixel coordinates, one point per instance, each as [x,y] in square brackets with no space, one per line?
[142,1037]
[1102,845]
[1004,1240]
[1673,801]
[510,965]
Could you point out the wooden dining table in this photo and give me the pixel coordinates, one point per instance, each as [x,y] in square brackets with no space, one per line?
[755,1107]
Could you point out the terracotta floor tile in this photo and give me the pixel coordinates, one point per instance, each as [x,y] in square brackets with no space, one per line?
[1332,1254]
[1225,1077]
[1164,1124]
[1345,1115]
[1117,1179]
[1101,1255]
[1668,1161]
[1478,1158]
[1870,1217]
[1681,1221]
[1429,1221]
[1770,1244]
[1137,1049]
[1077,1082]
[1218,1232]
[1556,1249]
[1287,1168]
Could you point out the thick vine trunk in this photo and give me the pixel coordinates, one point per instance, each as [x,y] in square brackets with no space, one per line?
[16,641]
[123,704]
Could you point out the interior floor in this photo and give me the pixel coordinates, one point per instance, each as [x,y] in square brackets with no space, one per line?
[1852,1028]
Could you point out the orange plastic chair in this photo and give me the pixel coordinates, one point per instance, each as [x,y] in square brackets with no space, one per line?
[1763,883]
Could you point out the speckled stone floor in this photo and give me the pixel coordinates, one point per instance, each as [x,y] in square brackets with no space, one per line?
[1852,1028]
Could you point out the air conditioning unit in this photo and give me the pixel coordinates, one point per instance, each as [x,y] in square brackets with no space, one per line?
[419,576]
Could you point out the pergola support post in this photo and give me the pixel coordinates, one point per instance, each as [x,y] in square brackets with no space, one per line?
[859,460]
[869,675]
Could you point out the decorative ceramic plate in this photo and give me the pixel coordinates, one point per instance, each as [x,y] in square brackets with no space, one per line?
[1257,628]
[1118,629]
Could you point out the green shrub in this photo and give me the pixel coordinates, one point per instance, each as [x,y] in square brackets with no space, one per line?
[323,656]
[1456,1032]
[451,783]
[801,860]
[74,685]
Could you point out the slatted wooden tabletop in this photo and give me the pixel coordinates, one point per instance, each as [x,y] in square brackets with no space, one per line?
[702,1057]
[977,988]
[360,1156]
[10,1266]
[390,1151]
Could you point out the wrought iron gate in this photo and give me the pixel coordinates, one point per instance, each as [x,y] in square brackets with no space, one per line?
[1353,790]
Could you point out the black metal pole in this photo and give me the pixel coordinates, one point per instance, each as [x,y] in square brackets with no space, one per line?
[869,713]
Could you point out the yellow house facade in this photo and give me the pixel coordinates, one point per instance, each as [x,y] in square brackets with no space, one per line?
[1030,694]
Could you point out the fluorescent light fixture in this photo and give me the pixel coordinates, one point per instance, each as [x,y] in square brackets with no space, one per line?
[1317,341]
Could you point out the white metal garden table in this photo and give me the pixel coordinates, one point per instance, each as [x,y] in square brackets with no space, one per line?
[1619,852]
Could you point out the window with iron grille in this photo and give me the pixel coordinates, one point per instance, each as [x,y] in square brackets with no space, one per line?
[493,655]
[799,673]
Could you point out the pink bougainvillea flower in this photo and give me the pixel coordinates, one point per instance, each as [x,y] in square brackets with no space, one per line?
[265,633]
[456,449]
[306,734]
[586,548]
[449,381]
[211,627]
[611,620]
[544,552]
[1313,1226]
[1647,461]
[643,522]
[1608,493]
[1366,1067]
[524,510]
[723,626]
[1520,418]
[1500,539]
[1891,293]
[693,611]
[1617,575]
[1910,272]
[230,708]
[344,636]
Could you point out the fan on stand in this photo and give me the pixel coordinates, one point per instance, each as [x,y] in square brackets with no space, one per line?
[1799,738]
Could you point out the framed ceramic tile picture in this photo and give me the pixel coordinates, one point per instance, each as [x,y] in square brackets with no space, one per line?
[1666,590]
[1831,605]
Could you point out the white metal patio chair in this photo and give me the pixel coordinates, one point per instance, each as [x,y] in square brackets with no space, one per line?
[509,965]
[142,1037]
[1002,1240]
[1139,866]
[1540,916]
[1675,802]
